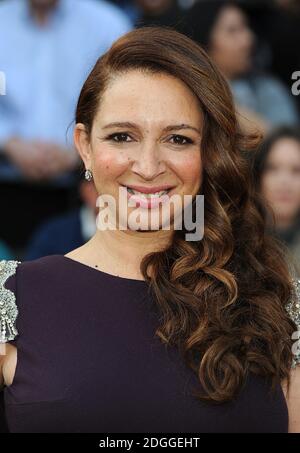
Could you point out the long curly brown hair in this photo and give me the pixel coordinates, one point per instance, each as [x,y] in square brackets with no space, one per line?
[221,300]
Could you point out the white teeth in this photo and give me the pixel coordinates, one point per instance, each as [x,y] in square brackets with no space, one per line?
[147,195]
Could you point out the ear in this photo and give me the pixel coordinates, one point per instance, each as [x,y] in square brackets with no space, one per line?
[82,143]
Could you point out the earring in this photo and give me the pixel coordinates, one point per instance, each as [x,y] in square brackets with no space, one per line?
[88,175]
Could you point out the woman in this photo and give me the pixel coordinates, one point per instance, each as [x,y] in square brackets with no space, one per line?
[277,171]
[140,329]
[221,26]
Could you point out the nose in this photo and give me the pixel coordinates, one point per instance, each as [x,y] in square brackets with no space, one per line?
[148,162]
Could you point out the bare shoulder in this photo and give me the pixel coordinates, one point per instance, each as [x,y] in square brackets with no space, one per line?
[8,317]
[293,399]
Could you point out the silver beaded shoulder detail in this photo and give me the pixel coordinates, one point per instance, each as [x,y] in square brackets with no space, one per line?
[293,309]
[8,307]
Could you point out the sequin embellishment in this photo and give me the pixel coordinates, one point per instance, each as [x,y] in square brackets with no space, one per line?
[293,309]
[8,307]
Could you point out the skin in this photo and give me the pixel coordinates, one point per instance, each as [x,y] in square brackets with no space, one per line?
[231,46]
[41,9]
[154,7]
[290,5]
[231,42]
[43,4]
[38,160]
[280,182]
[149,157]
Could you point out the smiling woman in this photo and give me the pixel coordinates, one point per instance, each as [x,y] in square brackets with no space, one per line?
[144,331]
[157,152]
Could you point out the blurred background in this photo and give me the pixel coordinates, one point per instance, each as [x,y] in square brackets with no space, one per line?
[47,48]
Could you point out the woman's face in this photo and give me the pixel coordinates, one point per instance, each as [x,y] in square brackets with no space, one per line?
[147,133]
[280,182]
[231,42]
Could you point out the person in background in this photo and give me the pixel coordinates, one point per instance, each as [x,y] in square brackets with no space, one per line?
[292,6]
[160,13]
[222,28]
[63,233]
[169,13]
[277,175]
[277,28]
[46,49]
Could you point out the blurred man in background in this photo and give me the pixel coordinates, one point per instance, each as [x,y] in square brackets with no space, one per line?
[154,12]
[68,231]
[160,12]
[47,48]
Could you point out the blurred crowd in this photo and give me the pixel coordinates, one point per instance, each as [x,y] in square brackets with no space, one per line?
[47,48]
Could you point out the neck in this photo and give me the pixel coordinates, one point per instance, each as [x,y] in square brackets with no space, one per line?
[283,223]
[280,222]
[41,15]
[121,252]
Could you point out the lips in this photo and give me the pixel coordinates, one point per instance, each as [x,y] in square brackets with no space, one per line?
[150,190]
[149,197]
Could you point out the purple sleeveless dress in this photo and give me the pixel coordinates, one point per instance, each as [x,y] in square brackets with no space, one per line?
[89,361]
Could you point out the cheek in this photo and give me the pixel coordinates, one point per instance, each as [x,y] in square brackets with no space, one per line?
[268,184]
[189,170]
[222,50]
[296,187]
[108,164]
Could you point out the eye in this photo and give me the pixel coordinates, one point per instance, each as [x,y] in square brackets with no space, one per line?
[181,140]
[119,137]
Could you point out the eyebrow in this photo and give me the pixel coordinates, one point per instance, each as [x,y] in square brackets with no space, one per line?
[172,127]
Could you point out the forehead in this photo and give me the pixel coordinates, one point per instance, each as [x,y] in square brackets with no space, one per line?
[285,147]
[151,98]
[230,15]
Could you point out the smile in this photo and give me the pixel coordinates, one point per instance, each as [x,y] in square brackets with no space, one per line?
[148,195]
[146,198]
